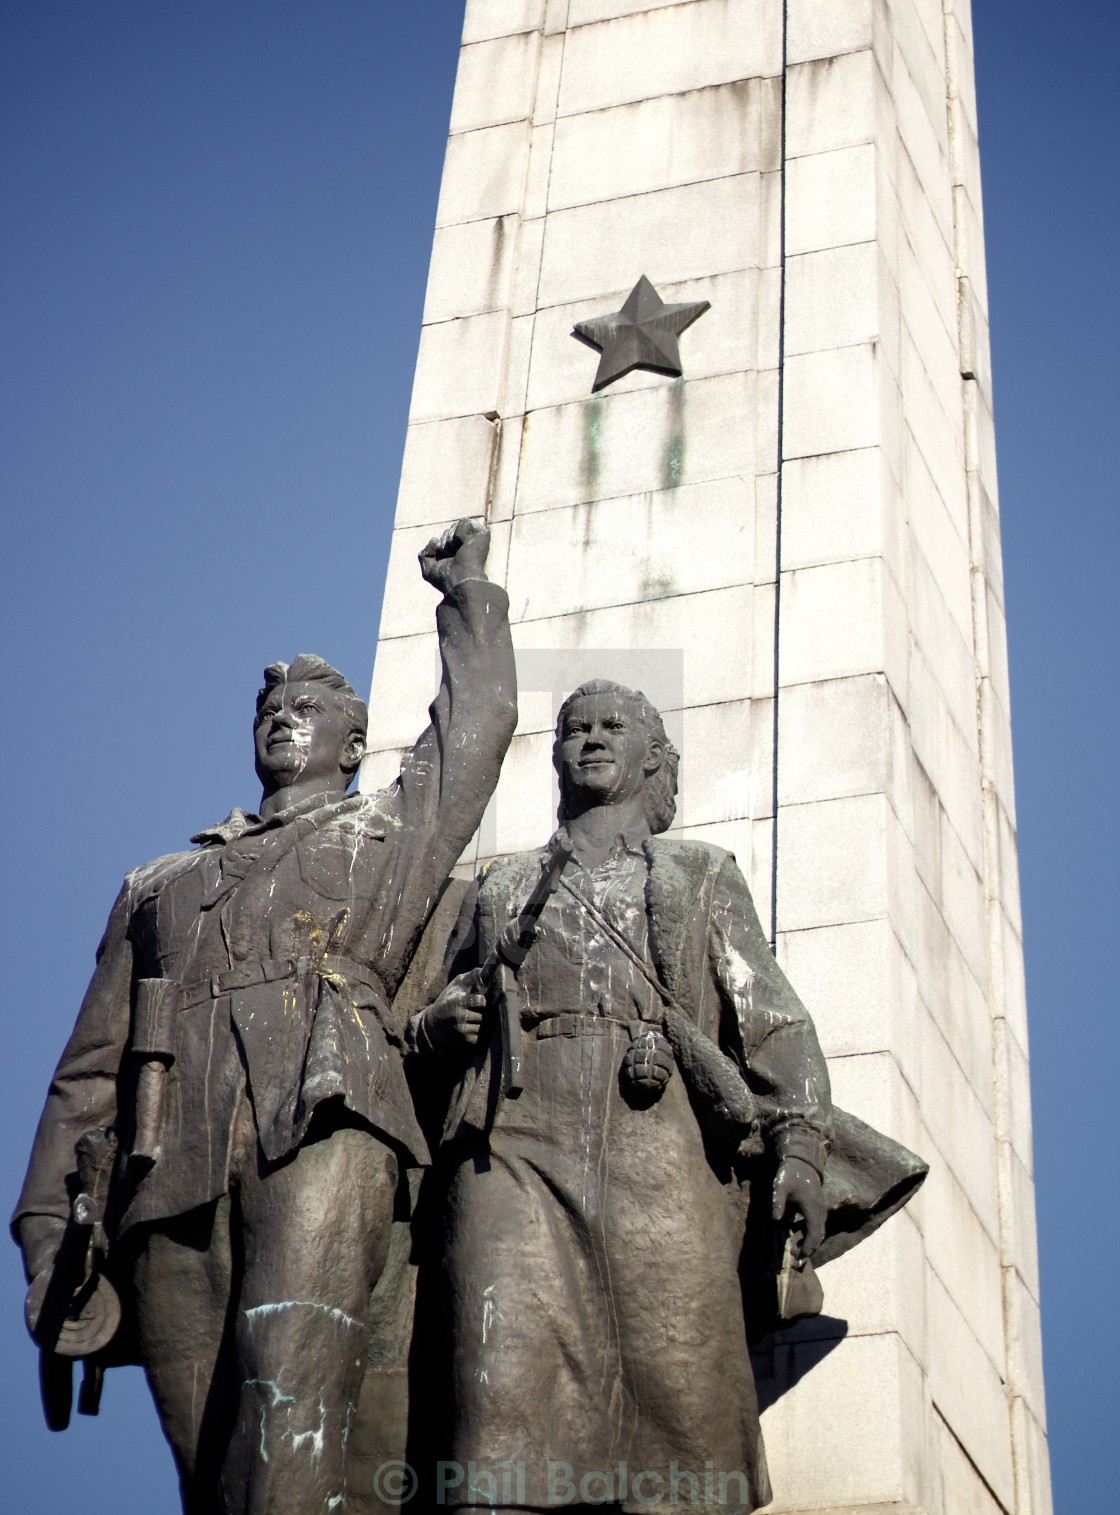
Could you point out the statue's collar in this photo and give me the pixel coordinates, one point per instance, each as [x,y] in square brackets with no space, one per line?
[628,841]
[243,822]
[632,839]
[236,823]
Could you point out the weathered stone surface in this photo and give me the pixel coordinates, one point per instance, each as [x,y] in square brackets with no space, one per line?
[688,232]
[471,268]
[668,50]
[831,199]
[483,174]
[646,525]
[495,82]
[446,461]
[460,367]
[657,143]
[635,548]
[484,20]
[865,1464]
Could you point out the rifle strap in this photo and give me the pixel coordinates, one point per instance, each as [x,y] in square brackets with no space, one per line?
[624,946]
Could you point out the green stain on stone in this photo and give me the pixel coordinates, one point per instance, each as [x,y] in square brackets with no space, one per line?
[592,443]
[672,465]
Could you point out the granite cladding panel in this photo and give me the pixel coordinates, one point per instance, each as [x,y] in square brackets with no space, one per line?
[880,867]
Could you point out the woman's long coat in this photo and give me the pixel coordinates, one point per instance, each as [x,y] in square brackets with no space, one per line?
[592,1244]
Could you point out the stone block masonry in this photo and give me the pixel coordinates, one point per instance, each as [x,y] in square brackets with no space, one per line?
[795,547]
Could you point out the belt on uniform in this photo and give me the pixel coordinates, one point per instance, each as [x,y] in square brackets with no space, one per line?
[158,1001]
[269,970]
[576,1023]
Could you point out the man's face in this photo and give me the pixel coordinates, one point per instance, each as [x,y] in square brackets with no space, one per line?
[303,733]
[605,752]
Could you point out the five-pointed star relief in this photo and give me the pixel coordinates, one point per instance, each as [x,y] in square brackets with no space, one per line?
[643,334]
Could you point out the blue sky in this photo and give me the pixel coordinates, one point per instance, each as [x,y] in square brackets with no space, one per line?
[217,218]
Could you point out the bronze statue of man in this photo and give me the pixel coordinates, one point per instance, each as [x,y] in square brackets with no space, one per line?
[593,1252]
[236,1043]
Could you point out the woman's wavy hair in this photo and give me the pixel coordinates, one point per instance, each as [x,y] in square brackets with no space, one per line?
[661,785]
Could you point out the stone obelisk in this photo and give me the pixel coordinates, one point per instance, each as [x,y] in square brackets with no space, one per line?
[794,549]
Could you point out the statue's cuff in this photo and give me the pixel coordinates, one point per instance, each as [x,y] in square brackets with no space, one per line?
[804,1144]
[416,1038]
[477,589]
[39,1238]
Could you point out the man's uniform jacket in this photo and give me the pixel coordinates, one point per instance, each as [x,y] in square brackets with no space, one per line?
[280,945]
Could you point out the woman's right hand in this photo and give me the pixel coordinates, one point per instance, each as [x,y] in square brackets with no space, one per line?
[453,1023]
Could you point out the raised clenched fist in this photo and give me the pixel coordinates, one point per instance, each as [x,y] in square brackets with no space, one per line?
[458,554]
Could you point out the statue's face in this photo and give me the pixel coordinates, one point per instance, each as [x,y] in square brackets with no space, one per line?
[605,752]
[303,733]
